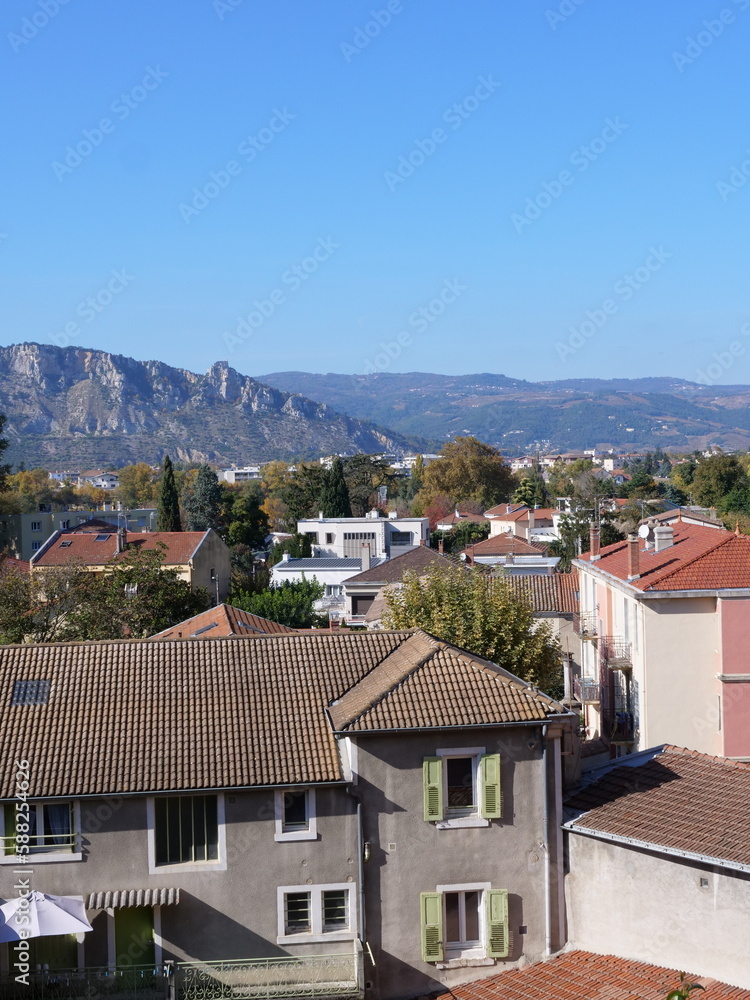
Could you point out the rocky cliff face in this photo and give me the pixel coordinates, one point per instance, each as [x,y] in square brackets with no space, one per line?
[75,407]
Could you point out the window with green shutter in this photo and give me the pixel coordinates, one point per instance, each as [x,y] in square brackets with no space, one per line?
[492,796]
[432,775]
[432,926]
[498,943]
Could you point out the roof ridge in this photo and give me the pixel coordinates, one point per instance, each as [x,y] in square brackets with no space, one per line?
[689,562]
[526,687]
[393,671]
[740,765]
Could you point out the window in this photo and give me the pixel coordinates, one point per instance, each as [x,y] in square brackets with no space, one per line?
[64,525]
[400,538]
[295,814]
[315,913]
[462,788]
[313,536]
[186,833]
[51,827]
[36,525]
[334,589]
[464,922]
[329,538]
[30,692]
[353,541]
[35,546]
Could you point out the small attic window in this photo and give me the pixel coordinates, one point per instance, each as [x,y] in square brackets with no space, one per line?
[101,538]
[66,544]
[30,692]
[206,628]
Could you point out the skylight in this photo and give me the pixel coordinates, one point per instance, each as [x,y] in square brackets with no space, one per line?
[101,538]
[206,628]
[30,692]
[66,544]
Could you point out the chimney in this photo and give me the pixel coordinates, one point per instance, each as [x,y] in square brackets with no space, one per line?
[320,515]
[365,556]
[633,557]
[507,508]
[441,546]
[594,542]
[663,537]
[531,524]
[285,557]
[121,542]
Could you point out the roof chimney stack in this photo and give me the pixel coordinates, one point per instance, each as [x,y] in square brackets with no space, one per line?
[121,542]
[633,557]
[594,542]
[663,537]
[365,556]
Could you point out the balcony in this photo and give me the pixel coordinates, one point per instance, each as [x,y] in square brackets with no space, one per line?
[587,691]
[283,978]
[586,624]
[616,653]
[622,728]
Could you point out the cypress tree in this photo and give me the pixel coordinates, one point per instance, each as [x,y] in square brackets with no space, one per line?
[203,503]
[168,517]
[334,498]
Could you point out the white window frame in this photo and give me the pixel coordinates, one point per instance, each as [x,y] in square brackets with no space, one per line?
[36,525]
[220,865]
[46,857]
[282,834]
[480,950]
[462,819]
[317,935]
[35,546]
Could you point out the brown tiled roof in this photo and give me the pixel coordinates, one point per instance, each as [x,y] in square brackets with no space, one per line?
[700,559]
[520,513]
[462,516]
[579,975]
[680,799]
[222,621]
[504,544]
[11,563]
[669,516]
[186,714]
[426,683]
[555,593]
[392,570]
[82,546]
[592,748]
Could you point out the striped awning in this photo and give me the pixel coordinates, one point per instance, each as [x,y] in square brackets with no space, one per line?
[132,897]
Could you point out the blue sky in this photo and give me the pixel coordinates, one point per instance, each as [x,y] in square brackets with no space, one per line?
[286,185]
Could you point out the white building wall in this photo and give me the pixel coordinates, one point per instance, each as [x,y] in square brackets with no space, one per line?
[647,908]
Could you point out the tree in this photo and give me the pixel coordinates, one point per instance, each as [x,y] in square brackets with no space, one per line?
[483,615]
[202,501]
[364,475]
[298,546]
[243,520]
[469,470]
[334,497]
[462,534]
[138,486]
[289,604]
[303,491]
[4,469]
[674,494]
[715,477]
[168,518]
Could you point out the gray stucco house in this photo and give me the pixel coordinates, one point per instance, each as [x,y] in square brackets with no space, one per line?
[342,814]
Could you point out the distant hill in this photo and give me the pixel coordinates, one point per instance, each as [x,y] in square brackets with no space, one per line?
[75,408]
[516,415]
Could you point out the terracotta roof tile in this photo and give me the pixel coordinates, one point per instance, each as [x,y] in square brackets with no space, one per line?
[700,559]
[221,621]
[392,570]
[555,593]
[679,799]
[83,547]
[580,975]
[505,543]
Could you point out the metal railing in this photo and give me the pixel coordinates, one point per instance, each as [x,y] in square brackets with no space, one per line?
[42,843]
[261,978]
[586,624]
[587,691]
[616,653]
[133,982]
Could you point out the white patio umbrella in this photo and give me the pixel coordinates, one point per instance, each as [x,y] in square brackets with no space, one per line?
[41,915]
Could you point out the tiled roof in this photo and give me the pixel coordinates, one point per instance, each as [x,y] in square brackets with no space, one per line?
[392,570]
[454,518]
[520,513]
[222,621]
[678,799]
[504,544]
[10,563]
[700,559]
[426,683]
[554,593]
[159,715]
[579,975]
[684,513]
[83,547]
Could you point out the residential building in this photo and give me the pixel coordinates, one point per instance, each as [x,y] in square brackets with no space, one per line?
[511,554]
[659,863]
[581,975]
[406,463]
[222,621]
[533,524]
[343,537]
[362,590]
[99,478]
[201,558]
[329,572]
[246,474]
[21,535]
[665,620]
[449,521]
[346,814]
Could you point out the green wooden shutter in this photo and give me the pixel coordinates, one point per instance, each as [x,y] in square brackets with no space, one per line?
[492,795]
[432,775]
[432,926]
[498,944]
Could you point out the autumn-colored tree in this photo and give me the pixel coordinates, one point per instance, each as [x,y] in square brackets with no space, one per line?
[468,469]
[483,615]
[138,487]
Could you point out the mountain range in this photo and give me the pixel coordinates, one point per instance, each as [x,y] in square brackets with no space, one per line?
[72,408]
[517,416]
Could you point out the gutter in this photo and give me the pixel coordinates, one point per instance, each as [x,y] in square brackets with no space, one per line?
[360,862]
[559,717]
[656,848]
[628,588]
[545,848]
[229,789]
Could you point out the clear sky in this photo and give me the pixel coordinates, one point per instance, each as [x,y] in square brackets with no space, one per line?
[286,185]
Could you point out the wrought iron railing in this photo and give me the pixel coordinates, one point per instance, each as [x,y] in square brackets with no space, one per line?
[586,624]
[125,983]
[616,653]
[587,691]
[261,978]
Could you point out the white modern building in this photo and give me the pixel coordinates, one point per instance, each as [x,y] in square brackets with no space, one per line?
[343,537]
